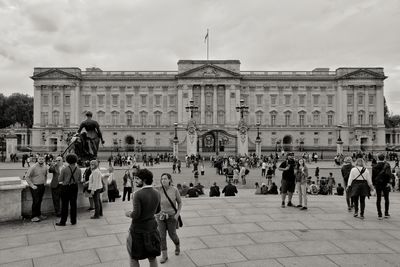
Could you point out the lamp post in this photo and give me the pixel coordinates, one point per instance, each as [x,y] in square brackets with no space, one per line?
[258,141]
[191,108]
[175,141]
[339,142]
[241,108]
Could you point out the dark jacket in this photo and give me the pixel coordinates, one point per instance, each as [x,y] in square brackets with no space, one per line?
[230,190]
[56,173]
[346,169]
[381,174]
[214,191]
[146,203]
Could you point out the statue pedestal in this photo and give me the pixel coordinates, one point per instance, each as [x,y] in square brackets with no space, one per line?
[191,138]
[243,139]
[258,147]
[339,147]
[175,148]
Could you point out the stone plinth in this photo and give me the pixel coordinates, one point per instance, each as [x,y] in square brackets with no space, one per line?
[10,198]
[11,145]
[258,147]
[339,147]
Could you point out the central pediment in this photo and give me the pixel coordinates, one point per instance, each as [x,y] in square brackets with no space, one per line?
[208,71]
[363,74]
[54,74]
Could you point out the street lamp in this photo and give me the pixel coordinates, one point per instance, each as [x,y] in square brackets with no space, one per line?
[339,129]
[176,131]
[191,108]
[258,139]
[241,108]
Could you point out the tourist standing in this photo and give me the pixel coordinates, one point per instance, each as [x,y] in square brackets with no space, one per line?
[381,176]
[167,219]
[95,187]
[301,183]
[361,184]
[36,177]
[55,169]
[85,181]
[127,183]
[288,179]
[146,203]
[346,169]
[69,178]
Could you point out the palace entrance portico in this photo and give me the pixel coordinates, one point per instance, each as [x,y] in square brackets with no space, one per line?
[217,141]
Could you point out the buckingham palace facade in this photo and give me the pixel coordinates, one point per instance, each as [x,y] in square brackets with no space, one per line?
[294,110]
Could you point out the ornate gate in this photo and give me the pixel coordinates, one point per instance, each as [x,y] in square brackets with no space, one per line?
[218,141]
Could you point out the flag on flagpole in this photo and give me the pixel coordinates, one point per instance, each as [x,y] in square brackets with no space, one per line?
[206,37]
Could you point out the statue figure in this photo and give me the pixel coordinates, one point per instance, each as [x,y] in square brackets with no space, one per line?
[90,138]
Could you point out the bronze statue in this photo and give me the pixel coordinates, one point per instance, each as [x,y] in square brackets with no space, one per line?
[90,138]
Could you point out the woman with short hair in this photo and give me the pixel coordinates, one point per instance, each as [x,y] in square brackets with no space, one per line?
[360,184]
[301,183]
[171,205]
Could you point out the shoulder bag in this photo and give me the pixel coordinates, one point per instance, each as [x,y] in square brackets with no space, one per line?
[180,222]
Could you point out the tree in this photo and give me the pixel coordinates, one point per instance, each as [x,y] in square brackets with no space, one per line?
[16,108]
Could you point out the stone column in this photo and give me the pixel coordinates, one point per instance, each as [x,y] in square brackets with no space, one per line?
[181,108]
[242,138]
[339,147]
[237,95]
[11,145]
[10,198]
[227,105]
[37,105]
[215,105]
[258,147]
[203,105]
[379,106]
[191,138]
[175,148]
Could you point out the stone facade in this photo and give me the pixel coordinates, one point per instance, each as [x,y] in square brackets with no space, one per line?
[296,109]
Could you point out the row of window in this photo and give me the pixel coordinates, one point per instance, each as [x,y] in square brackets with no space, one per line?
[361,118]
[360,100]
[287,100]
[56,118]
[56,100]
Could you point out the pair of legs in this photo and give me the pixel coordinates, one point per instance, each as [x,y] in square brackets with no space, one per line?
[164,226]
[287,189]
[152,262]
[69,195]
[361,200]
[98,207]
[127,191]
[37,197]
[56,196]
[385,192]
[302,189]
[349,200]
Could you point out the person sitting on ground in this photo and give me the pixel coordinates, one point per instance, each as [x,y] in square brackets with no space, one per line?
[314,188]
[339,190]
[214,190]
[192,192]
[258,189]
[200,188]
[185,189]
[264,189]
[273,190]
[230,190]
[323,189]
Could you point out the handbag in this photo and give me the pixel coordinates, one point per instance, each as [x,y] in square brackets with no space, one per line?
[179,222]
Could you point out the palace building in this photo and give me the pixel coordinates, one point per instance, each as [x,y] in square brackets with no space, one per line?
[137,110]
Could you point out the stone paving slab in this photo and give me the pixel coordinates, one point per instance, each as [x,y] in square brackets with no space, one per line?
[246,230]
[79,258]
[306,261]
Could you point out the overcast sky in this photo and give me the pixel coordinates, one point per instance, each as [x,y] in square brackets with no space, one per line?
[154,35]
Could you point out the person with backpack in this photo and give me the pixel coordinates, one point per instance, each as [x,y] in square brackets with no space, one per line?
[381,178]
[360,184]
[69,178]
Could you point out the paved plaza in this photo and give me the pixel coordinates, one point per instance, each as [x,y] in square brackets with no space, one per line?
[246,230]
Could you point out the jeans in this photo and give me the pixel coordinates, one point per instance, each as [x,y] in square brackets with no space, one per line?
[362,204]
[385,191]
[152,262]
[69,195]
[56,196]
[349,200]
[127,190]
[302,189]
[170,226]
[98,207]
[37,197]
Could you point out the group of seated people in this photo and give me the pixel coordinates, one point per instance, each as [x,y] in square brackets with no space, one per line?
[191,190]
[264,190]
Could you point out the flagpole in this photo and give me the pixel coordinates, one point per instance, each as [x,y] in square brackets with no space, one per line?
[208,38]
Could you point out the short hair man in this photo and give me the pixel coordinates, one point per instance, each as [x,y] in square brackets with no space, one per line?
[381,176]
[36,178]
[146,203]
[288,179]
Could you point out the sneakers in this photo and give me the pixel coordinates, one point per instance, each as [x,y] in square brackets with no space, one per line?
[362,217]
[89,209]
[95,217]
[42,217]
[380,218]
[60,224]
[303,208]
[283,204]
[35,219]
[299,206]
[355,214]
[387,216]
[349,209]
[289,204]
